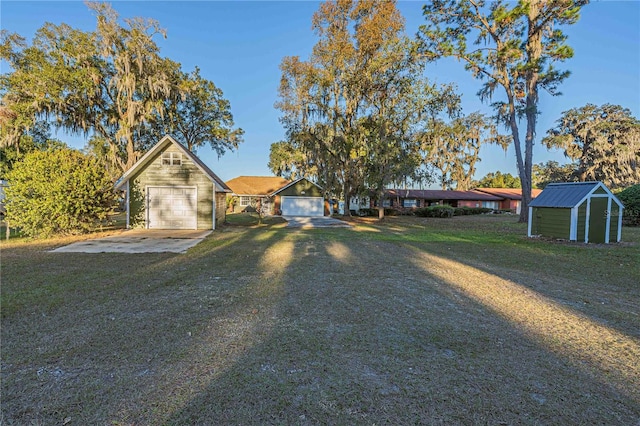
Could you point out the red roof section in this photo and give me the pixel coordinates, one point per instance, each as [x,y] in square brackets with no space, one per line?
[508,193]
[256,185]
[435,194]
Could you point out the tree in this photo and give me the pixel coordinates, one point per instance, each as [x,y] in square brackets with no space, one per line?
[604,142]
[288,161]
[514,46]
[58,191]
[198,115]
[552,172]
[453,148]
[353,107]
[112,84]
[630,197]
[498,180]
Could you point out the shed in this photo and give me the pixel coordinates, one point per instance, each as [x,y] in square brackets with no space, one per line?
[171,188]
[300,198]
[576,211]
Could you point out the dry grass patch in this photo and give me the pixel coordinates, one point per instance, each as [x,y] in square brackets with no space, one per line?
[407,321]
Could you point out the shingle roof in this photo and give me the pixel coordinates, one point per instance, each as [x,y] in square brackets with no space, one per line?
[435,194]
[508,193]
[256,185]
[564,194]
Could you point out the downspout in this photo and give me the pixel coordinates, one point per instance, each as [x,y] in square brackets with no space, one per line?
[530,220]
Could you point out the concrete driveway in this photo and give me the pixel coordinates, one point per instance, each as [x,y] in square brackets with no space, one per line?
[139,241]
[314,222]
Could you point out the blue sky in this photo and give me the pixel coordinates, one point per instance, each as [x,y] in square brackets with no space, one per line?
[239,46]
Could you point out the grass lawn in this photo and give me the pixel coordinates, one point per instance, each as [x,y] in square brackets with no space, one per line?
[405,321]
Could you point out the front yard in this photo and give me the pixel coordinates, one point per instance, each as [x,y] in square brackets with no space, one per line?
[408,321]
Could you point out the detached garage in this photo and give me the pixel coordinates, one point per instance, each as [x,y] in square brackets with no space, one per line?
[171,188]
[300,198]
[577,211]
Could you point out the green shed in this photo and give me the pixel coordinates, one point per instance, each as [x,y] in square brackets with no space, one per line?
[576,211]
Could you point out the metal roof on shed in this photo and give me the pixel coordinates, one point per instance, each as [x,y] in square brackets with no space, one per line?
[564,195]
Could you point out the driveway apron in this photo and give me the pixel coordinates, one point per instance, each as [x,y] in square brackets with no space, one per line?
[314,222]
[139,241]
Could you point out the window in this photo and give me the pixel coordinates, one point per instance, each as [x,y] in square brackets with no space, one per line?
[245,201]
[490,205]
[409,203]
[171,159]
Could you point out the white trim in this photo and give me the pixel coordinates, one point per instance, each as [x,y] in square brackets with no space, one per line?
[573,224]
[146,201]
[165,141]
[128,203]
[586,222]
[607,231]
[530,222]
[293,183]
[619,224]
[213,219]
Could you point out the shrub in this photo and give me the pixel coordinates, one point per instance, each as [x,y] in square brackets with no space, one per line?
[464,211]
[61,191]
[435,211]
[630,197]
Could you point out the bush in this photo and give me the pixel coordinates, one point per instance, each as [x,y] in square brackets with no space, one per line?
[464,211]
[58,192]
[435,211]
[630,197]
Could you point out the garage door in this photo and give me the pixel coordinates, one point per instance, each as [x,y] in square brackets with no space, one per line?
[172,208]
[302,206]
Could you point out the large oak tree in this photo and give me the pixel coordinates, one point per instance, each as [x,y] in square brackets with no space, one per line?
[604,141]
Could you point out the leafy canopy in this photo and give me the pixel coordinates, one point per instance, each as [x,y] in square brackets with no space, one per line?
[604,141]
[511,46]
[58,191]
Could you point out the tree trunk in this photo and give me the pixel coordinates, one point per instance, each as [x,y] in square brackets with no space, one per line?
[534,52]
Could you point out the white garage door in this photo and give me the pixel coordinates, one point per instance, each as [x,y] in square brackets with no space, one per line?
[302,206]
[172,208]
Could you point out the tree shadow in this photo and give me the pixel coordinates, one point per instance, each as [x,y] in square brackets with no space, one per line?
[352,339]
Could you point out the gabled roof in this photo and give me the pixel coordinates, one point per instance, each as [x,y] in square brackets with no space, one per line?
[257,185]
[508,193]
[157,148]
[568,194]
[293,183]
[436,194]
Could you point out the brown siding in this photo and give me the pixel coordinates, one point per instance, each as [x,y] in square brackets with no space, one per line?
[187,174]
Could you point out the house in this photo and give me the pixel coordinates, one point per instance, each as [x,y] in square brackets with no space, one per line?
[171,188]
[279,196]
[511,198]
[248,189]
[414,198]
[576,211]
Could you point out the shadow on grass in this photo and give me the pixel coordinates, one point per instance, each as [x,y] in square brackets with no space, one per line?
[270,326]
[355,340]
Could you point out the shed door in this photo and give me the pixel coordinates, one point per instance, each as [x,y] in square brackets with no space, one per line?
[172,208]
[302,206]
[598,219]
